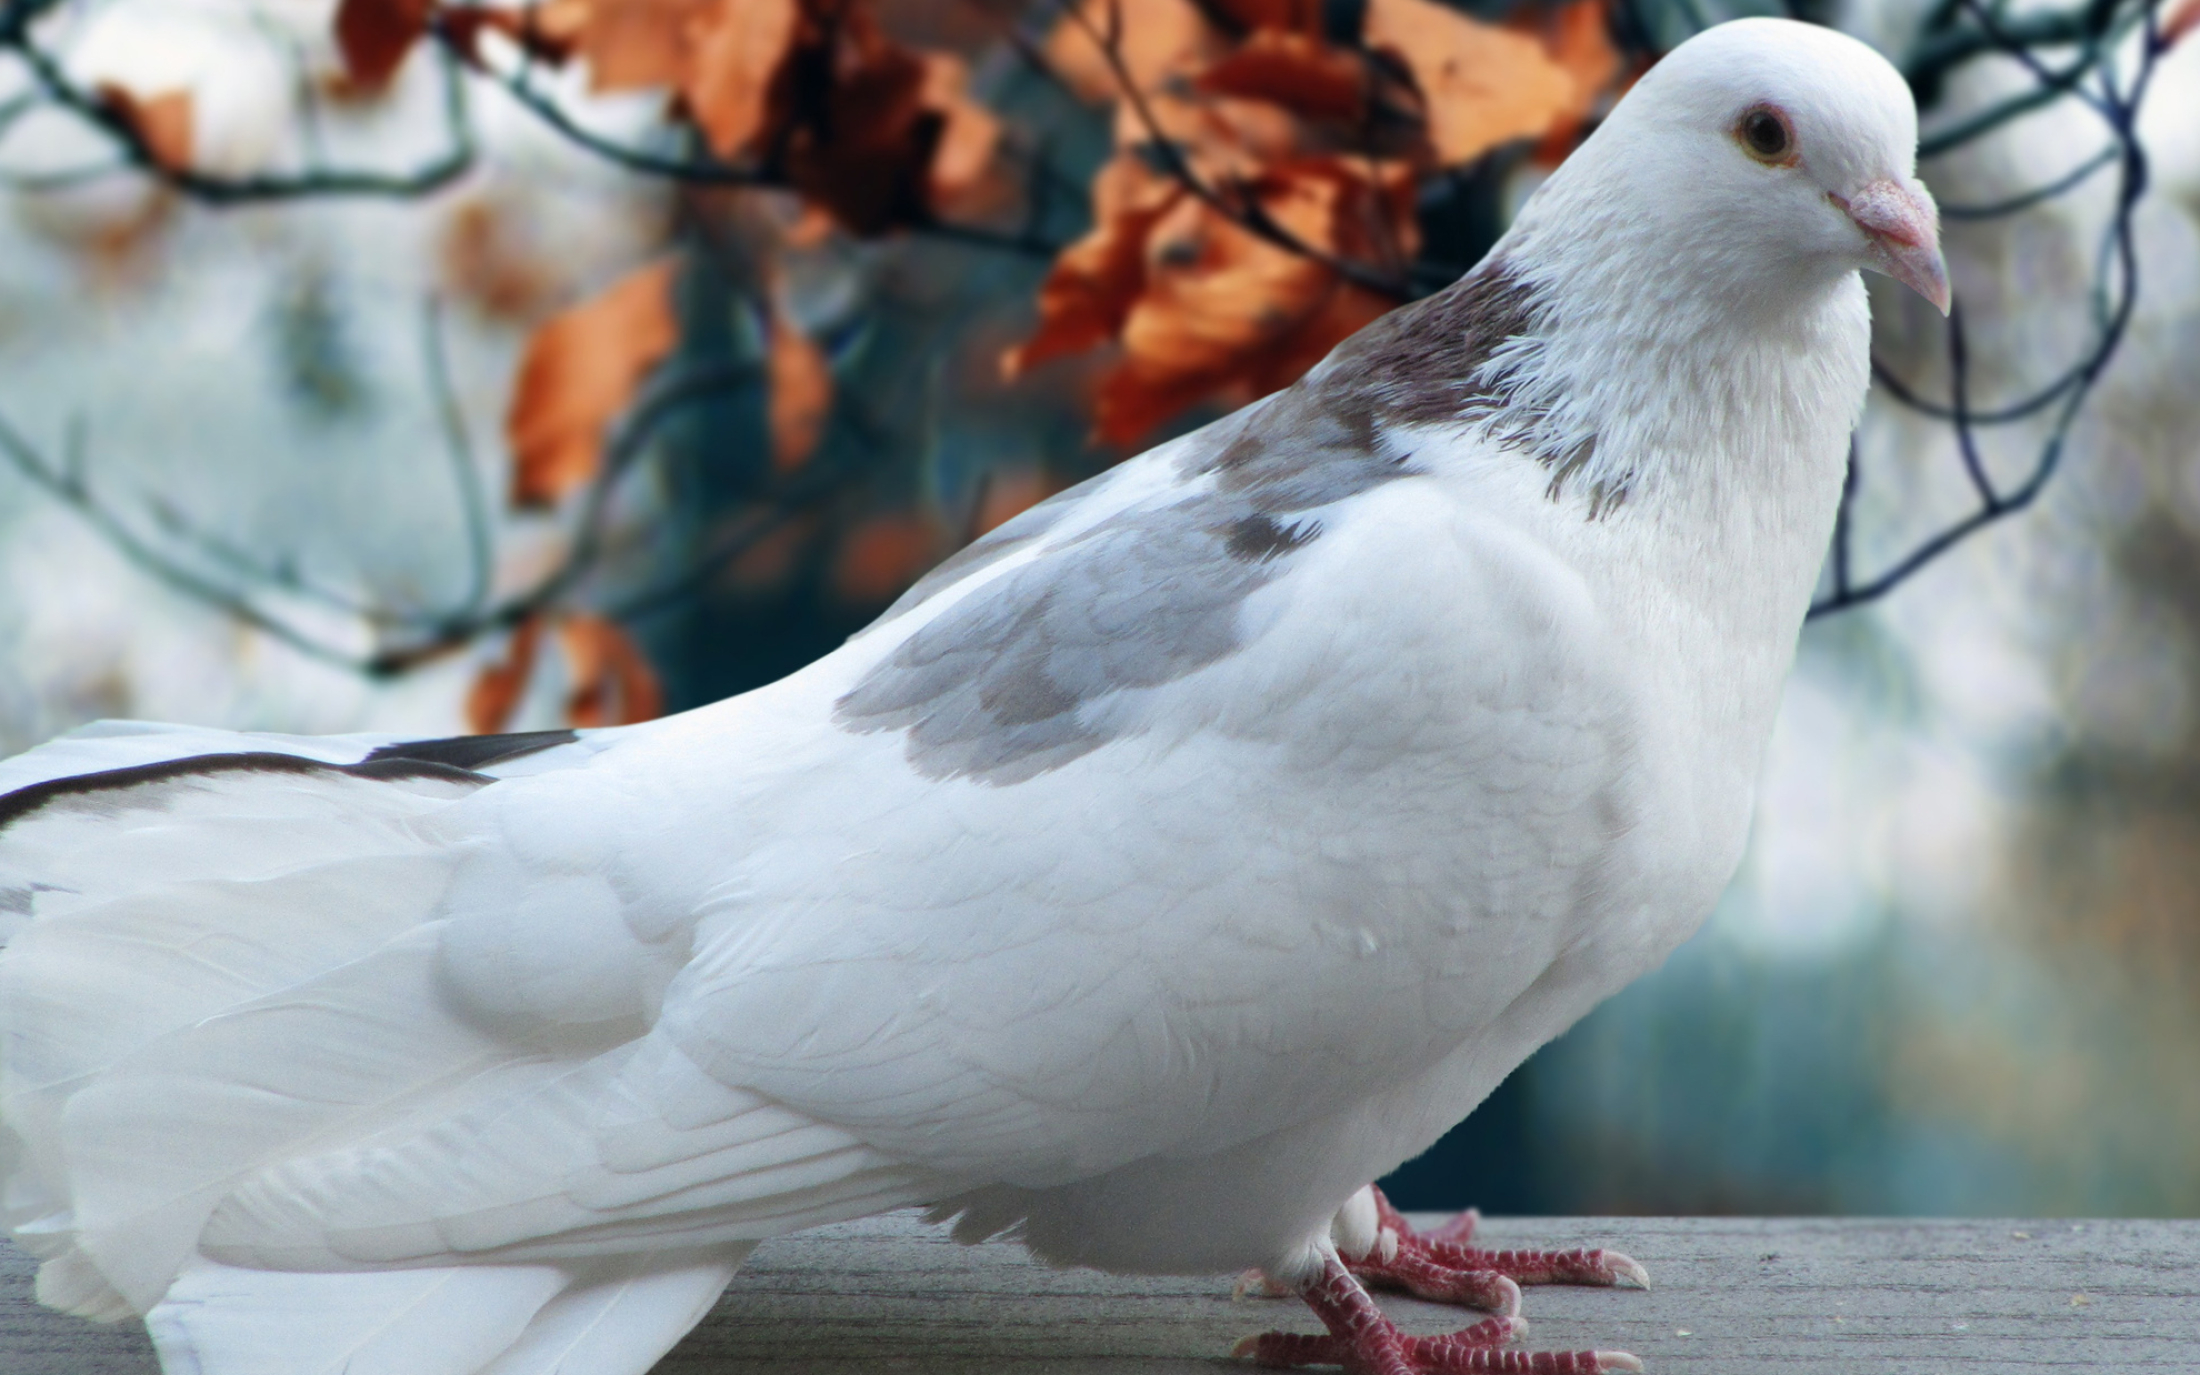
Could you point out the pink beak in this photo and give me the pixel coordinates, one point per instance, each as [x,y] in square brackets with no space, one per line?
[1903,225]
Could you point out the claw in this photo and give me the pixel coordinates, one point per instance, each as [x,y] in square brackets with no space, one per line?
[1365,1342]
[1444,1248]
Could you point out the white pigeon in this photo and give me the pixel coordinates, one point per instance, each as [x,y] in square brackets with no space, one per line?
[1160,870]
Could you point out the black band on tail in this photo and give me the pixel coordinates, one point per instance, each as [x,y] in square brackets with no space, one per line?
[471,752]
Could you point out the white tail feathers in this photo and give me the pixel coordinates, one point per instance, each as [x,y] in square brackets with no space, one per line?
[601,1318]
[259,1081]
[199,976]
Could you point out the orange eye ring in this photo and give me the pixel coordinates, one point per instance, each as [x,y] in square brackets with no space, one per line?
[1766,134]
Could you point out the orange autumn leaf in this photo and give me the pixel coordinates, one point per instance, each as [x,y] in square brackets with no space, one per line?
[550,32]
[636,44]
[865,153]
[578,373]
[739,48]
[374,37]
[489,259]
[1154,39]
[1483,85]
[2180,22]
[612,683]
[1344,311]
[969,137]
[1225,309]
[1295,71]
[872,132]
[1090,290]
[802,392]
[768,561]
[162,123]
[497,689]
[1579,37]
[1294,16]
[1009,492]
[882,556]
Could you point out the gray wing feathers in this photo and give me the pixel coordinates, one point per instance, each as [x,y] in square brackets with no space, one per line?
[1010,680]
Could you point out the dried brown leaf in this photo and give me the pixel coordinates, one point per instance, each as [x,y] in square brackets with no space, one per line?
[1579,37]
[802,392]
[882,556]
[612,682]
[865,150]
[634,45]
[1009,492]
[767,562]
[1483,85]
[374,37]
[969,138]
[1225,310]
[578,373]
[497,689]
[1300,16]
[1300,73]
[738,50]
[2180,22]
[1095,281]
[1154,39]
[549,32]
[489,259]
[162,122]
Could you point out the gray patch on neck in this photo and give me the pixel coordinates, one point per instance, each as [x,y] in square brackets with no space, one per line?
[1439,360]
[999,687]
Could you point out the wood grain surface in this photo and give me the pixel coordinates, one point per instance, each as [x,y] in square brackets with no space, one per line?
[1729,1295]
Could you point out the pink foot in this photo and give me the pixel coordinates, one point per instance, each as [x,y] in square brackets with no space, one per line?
[1439,1265]
[1365,1342]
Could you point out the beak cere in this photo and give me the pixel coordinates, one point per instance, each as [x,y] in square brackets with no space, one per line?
[1903,225]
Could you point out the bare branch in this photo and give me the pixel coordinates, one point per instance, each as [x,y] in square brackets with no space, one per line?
[2116,288]
[1241,210]
[138,156]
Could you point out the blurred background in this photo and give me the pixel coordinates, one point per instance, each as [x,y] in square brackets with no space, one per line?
[387,365]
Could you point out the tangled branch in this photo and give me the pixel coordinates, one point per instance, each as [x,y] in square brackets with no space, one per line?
[136,153]
[227,579]
[2098,30]
[2068,54]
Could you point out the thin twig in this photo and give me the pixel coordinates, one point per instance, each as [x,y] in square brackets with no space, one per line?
[458,444]
[711,171]
[213,189]
[2116,288]
[1244,211]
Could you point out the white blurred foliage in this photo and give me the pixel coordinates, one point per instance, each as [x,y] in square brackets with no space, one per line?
[232,59]
[262,369]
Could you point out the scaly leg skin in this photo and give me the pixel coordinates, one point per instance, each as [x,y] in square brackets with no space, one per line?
[1365,1342]
[1439,1265]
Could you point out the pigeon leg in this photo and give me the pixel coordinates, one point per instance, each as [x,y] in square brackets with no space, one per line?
[1440,1266]
[1365,1342]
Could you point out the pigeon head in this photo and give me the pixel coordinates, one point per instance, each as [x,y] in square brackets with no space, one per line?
[1772,158]
[1805,140]
[1679,305]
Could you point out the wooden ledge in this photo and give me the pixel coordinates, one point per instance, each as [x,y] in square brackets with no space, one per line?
[1737,1296]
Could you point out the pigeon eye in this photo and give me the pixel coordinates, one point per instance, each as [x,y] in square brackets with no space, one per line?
[1765,133]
